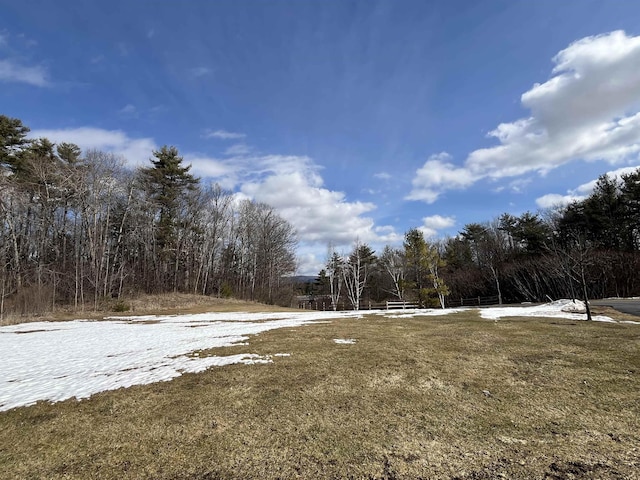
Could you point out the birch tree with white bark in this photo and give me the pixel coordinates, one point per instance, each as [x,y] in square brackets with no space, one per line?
[356,270]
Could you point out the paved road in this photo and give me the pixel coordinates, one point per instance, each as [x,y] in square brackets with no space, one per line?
[625,305]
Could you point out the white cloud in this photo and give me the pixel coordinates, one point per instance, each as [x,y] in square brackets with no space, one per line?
[223,135]
[431,225]
[588,110]
[319,215]
[436,172]
[136,151]
[382,176]
[294,186]
[438,222]
[553,200]
[310,262]
[220,171]
[14,72]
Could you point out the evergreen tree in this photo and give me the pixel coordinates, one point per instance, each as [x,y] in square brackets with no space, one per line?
[12,142]
[166,184]
[424,262]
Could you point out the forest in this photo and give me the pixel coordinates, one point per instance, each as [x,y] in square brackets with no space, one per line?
[81,229]
[587,249]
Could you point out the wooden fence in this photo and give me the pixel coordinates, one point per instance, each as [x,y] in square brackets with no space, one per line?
[471,302]
[324,303]
[401,305]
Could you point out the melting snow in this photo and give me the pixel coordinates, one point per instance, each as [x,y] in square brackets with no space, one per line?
[55,361]
[59,360]
[558,309]
[408,313]
[344,341]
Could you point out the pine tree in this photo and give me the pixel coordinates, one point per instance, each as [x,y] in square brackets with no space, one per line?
[12,142]
[166,183]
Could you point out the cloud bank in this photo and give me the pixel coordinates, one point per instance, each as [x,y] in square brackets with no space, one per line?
[588,110]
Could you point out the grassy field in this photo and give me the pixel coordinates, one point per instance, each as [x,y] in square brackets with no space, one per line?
[161,304]
[426,397]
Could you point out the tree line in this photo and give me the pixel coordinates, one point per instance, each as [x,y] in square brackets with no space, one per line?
[81,228]
[587,249]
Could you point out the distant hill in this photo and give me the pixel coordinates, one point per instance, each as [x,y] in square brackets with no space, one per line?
[303,278]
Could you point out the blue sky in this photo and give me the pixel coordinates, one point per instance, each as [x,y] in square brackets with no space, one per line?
[357,120]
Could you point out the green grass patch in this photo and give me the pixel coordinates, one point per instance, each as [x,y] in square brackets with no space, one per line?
[427,397]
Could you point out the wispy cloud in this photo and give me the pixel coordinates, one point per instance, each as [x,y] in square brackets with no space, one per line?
[223,135]
[382,176]
[13,72]
[128,110]
[588,110]
[239,149]
[200,71]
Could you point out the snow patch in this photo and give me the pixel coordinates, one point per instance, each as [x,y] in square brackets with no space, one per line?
[574,306]
[558,309]
[430,312]
[55,361]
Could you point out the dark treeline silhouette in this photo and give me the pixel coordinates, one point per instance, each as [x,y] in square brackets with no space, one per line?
[590,248]
[80,228]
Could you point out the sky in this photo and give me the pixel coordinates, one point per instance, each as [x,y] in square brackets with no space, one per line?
[356,120]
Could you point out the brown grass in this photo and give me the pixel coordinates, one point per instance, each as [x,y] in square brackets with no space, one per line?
[166,304]
[432,397]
